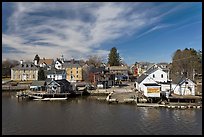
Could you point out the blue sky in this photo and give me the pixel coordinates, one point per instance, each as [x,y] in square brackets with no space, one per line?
[147,31]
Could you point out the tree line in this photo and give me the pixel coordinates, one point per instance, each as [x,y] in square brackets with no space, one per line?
[187,62]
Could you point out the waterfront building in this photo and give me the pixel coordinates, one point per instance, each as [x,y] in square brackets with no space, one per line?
[59,86]
[183,86]
[149,81]
[24,71]
[38,85]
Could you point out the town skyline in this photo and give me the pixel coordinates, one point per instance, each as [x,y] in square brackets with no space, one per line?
[142,32]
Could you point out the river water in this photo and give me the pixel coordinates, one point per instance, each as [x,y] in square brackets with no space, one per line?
[88,116]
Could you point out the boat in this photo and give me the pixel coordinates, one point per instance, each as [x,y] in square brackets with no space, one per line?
[50,99]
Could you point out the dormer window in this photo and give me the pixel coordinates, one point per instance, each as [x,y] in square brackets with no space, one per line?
[153,76]
[162,76]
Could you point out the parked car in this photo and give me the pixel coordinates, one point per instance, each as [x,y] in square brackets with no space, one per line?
[100,85]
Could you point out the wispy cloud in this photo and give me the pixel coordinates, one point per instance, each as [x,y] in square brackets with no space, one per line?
[74,29]
[153,29]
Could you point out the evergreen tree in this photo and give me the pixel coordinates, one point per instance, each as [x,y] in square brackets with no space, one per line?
[41,74]
[114,58]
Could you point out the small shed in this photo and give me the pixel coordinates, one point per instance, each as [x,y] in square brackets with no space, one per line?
[38,85]
[184,86]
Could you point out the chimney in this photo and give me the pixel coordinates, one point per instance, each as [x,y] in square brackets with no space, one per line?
[21,62]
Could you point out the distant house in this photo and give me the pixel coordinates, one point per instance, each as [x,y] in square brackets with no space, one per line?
[38,85]
[59,86]
[45,62]
[55,74]
[58,64]
[73,72]
[183,86]
[24,71]
[119,72]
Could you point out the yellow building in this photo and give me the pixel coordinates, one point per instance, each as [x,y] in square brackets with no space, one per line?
[73,72]
[24,71]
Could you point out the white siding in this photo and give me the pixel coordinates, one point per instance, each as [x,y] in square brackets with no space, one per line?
[158,76]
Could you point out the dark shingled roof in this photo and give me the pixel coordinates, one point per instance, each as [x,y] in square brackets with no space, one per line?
[71,65]
[54,71]
[63,82]
[38,83]
[26,66]
[141,78]
[94,69]
[149,71]
[151,84]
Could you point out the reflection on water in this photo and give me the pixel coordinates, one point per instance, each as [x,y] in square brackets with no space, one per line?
[87,116]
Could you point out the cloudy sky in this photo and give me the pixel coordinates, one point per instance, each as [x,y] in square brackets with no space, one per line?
[140,31]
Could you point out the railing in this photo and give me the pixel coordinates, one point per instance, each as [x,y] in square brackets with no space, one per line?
[19,87]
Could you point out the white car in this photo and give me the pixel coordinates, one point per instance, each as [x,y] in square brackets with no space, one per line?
[99,85]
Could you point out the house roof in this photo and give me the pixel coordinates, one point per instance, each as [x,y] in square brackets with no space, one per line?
[63,82]
[151,84]
[71,65]
[94,69]
[46,61]
[151,70]
[115,68]
[38,83]
[26,66]
[54,71]
[181,80]
[141,78]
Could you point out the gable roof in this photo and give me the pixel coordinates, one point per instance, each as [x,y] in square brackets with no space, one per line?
[181,79]
[46,61]
[71,65]
[62,82]
[54,71]
[38,83]
[94,69]
[25,66]
[115,68]
[141,78]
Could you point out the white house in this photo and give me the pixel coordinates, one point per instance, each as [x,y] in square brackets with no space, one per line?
[56,74]
[58,64]
[183,86]
[148,83]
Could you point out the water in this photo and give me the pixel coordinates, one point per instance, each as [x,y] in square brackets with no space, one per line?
[87,116]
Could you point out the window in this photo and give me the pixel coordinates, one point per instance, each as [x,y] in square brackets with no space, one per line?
[153,76]
[33,76]
[77,76]
[71,71]
[77,72]
[161,75]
